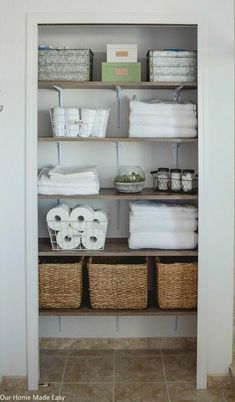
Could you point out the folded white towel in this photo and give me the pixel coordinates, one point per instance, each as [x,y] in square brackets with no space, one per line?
[67,174]
[163,121]
[143,131]
[164,240]
[159,107]
[162,210]
[67,187]
[49,190]
[45,180]
[152,224]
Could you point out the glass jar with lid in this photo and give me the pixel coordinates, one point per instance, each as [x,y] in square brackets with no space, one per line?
[175,180]
[130,179]
[187,180]
[163,179]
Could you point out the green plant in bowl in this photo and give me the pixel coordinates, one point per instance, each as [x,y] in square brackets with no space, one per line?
[130,178]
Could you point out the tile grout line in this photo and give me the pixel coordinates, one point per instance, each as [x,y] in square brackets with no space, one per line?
[164,372]
[114,372]
[62,379]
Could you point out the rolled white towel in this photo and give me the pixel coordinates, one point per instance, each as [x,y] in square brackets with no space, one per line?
[164,240]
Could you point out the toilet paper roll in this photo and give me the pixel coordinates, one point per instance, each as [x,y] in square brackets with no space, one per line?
[59,132]
[101,218]
[71,114]
[58,111]
[58,217]
[72,130]
[93,239]
[80,216]
[68,238]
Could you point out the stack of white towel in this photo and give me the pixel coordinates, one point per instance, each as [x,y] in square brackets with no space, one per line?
[68,181]
[162,119]
[162,226]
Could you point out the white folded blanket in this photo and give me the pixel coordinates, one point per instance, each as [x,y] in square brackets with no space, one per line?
[164,240]
[159,107]
[162,210]
[143,131]
[146,225]
[163,121]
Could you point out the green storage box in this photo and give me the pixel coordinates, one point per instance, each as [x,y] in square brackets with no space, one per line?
[121,72]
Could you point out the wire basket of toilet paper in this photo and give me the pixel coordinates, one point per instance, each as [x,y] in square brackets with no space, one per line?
[82,228]
[79,122]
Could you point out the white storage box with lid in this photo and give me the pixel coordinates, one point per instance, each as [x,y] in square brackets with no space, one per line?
[122,53]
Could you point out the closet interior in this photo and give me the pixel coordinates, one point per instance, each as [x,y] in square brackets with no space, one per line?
[89,269]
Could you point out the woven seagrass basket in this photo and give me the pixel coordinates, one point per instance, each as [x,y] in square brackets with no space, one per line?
[60,284]
[118,282]
[177,285]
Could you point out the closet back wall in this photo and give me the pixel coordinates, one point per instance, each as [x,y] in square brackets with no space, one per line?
[149,156]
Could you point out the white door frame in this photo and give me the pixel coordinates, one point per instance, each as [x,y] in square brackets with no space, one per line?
[33,20]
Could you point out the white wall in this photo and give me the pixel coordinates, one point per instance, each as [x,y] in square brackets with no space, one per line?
[217,257]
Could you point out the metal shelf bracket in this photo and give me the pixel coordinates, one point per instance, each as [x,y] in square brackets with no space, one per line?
[60,94]
[118,91]
[177,94]
[176,148]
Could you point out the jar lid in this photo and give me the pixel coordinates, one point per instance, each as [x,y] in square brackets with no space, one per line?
[175,170]
[153,171]
[163,170]
[188,171]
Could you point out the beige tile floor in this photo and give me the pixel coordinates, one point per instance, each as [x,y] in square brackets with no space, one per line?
[120,376]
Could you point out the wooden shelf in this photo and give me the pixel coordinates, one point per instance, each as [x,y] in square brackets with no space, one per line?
[112,194]
[88,311]
[116,139]
[112,85]
[113,247]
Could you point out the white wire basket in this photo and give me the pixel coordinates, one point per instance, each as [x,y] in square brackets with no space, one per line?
[75,122]
[77,235]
